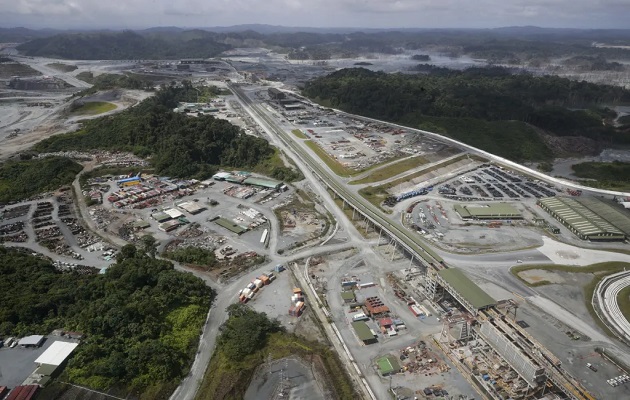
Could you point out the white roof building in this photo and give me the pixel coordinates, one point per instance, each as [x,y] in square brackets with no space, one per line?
[33,340]
[173,213]
[57,353]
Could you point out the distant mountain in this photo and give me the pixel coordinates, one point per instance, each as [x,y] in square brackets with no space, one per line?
[125,45]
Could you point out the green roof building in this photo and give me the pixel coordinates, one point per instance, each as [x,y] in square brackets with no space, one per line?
[465,291]
[388,365]
[363,332]
[348,297]
[588,218]
[264,183]
[488,211]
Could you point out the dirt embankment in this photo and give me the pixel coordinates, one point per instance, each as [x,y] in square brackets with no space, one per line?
[571,146]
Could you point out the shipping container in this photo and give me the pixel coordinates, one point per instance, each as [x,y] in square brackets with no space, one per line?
[415,310]
[360,317]
[258,283]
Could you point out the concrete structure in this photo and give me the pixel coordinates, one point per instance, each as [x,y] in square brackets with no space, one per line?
[527,368]
[31,341]
[363,332]
[56,354]
[585,218]
[462,289]
[169,225]
[488,211]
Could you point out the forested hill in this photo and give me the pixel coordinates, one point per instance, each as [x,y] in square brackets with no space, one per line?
[123,46]
[179,145]
[469,105]
[142,319]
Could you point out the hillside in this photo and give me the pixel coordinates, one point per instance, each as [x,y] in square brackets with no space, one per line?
[141,319]
[490,108]
[178,145]
[123,46]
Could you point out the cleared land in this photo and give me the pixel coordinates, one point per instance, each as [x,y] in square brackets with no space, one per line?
[599,271]
[8,70]
[94,108]
[392,170]
[62,67]
[299,134]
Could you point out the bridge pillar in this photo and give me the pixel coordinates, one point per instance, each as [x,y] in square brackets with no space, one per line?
[380,232]
[394,250]
[354,211]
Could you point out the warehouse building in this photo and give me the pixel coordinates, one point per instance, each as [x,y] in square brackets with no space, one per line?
[276,94]
[588,218]
[363,332]
[388,365]
[31,341]
[459,287]
[488,211]
[263,183]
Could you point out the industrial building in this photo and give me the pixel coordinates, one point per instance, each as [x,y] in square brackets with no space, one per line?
[488,211]
[56,354]
[276,94]
[263,183]
[26,392]
[460,287]
[363,332]
[588,218]
[388,365]
[191,207]
[31,341]
[134,180]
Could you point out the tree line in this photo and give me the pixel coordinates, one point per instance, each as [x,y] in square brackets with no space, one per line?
[142,319]
[451,100]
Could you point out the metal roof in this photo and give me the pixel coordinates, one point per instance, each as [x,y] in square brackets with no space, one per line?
[349,295]
[466,288]
[363,331]
[488,210]
[56,353]
[33,340]
[578,216]
[388,364]
[267,183]
[612,212]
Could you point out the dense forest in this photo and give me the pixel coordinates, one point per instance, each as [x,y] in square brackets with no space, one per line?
[466,104]
[178,145]
[142,319]
[612,175]
[23,179]
[125,45]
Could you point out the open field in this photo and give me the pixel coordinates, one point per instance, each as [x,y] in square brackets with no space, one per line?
[422,172]
[392,170]
[299,134]
[62,67]
[599,271]
[94,108]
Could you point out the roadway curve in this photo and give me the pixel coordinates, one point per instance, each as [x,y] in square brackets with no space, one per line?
[490,156]
[606,295]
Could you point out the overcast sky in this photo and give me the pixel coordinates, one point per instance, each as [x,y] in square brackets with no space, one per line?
[315,13]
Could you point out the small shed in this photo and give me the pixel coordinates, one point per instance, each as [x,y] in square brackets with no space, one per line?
[348,296]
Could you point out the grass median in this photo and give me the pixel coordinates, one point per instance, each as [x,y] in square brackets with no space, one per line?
[392,170]
[299,134]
